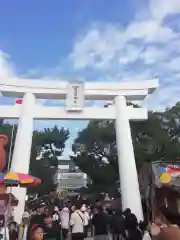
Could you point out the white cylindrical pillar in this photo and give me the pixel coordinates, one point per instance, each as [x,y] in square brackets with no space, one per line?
[129,184]
[22,149]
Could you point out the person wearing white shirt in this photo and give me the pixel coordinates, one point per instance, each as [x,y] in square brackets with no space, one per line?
[64,215]
[86,219]
[77,224]
[23,228]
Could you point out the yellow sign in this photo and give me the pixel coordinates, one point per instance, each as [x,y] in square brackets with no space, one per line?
[165,178]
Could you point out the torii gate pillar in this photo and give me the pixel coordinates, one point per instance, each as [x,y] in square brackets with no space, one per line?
[22,149]
[129,185]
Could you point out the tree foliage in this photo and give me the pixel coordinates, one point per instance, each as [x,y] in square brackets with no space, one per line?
[154,139]
[47,146]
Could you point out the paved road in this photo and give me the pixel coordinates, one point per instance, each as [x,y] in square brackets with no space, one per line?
[88,238]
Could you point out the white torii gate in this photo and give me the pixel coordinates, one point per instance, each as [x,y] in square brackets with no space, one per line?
[76,93]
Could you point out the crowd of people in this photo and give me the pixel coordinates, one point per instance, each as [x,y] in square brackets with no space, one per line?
[80,221]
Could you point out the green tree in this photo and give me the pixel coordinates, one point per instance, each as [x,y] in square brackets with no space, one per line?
[47,147]
[156,138]
[99,157]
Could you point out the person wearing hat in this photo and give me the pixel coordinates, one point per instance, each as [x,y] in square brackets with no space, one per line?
[23,228]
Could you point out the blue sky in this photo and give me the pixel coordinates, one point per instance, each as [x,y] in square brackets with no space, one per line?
[95,40]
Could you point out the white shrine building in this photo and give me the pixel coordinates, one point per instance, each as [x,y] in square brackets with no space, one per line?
[75,93]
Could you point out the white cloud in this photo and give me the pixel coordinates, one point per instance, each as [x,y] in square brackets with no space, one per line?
[145,48]
[99,47]
[138,76]
[153,54]
[130,54]
[174,64]
[6,68]
[149,31]
[165,96]
[160,9]
[96,44]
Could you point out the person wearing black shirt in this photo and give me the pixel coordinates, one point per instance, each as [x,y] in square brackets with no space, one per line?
[132,226]
[38,218]
[100,222]
[117,224]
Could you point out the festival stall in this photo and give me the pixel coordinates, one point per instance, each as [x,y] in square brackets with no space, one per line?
[164,190]
[9,179]
[13,179]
